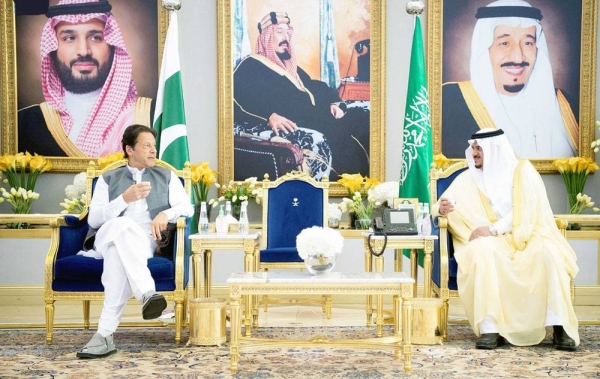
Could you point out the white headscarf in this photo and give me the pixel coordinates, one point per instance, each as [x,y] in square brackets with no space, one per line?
[495,178]
[535,109]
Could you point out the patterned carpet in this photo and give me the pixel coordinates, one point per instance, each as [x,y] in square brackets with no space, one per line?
[151,353]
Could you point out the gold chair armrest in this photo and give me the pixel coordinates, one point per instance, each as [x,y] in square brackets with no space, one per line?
[442,223]
[180,253]
[562,225]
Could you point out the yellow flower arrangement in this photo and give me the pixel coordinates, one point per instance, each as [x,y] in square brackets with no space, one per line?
[203,177]
[357,183]
[110,158]
[574,172]
[440,162]
[358,188]
[22,171]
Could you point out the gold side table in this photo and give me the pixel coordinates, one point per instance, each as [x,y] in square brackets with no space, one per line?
[414,243]
[206,243]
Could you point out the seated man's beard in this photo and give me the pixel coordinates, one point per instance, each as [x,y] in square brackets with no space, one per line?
[85,83]
[514,89]
[284,56]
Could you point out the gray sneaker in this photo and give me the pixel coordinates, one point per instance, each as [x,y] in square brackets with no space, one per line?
[98,347]
[154,304]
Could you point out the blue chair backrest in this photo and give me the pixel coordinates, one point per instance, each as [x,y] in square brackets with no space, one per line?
[292,206]
[444,183]
[442,186]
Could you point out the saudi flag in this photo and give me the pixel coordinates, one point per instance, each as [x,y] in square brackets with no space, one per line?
[417,149]
[169,116]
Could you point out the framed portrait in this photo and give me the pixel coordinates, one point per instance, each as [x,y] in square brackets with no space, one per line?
[534,79]
[330,85]
[36,117]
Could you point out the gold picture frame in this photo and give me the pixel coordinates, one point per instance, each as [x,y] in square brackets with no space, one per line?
[377,92]
[9,69]
[585,81]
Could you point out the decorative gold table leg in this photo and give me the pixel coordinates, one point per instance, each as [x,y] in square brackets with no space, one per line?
[207,272]
[235,328]
[414,266]
[397,327]
[427,263]
[369,268]
[379,264]
[407,326]
[249,315]
[197,271]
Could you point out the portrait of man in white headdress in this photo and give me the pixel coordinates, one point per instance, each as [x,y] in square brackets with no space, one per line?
[520,76]
[82,77]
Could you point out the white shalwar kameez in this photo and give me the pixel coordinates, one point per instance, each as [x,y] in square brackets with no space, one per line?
[125,243]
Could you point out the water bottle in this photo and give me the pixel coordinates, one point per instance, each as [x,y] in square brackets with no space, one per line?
[203,219]
[228,216]
[244,225]
[221,222]
[426,221]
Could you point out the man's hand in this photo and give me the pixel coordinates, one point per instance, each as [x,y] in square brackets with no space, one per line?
[336,111]
[446,206]
[136,192]
[158,224]
[277,123]
[482,231]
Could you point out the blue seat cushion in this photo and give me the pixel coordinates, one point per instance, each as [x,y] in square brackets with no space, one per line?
[79,273]
[280,254]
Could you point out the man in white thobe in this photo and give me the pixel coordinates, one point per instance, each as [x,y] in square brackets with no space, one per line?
[130,208]
[514,265]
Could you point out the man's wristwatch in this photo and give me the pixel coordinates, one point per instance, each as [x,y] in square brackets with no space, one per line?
[492,230]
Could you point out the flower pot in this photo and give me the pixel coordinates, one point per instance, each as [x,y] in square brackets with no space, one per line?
[319,264]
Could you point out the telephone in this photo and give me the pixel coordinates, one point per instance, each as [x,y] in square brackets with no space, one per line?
[395,222]
[363,48]
[360,45]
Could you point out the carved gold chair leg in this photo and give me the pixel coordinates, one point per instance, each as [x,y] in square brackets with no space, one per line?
[178,320]
[86,314]
[49,320]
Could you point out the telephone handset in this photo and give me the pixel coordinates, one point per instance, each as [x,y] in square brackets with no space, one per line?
[378,226]
[360,45]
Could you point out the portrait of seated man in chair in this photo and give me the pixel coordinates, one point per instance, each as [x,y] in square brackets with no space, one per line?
[515,268]
[275,100]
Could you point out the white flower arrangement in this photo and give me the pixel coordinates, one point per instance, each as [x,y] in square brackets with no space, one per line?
[75,201]
[383,192]
[319,241]
[335,212]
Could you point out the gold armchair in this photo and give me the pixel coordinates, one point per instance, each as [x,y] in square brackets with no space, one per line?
[69,276]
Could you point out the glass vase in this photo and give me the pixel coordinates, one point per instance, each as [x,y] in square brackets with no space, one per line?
[362,223]
[319,264]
